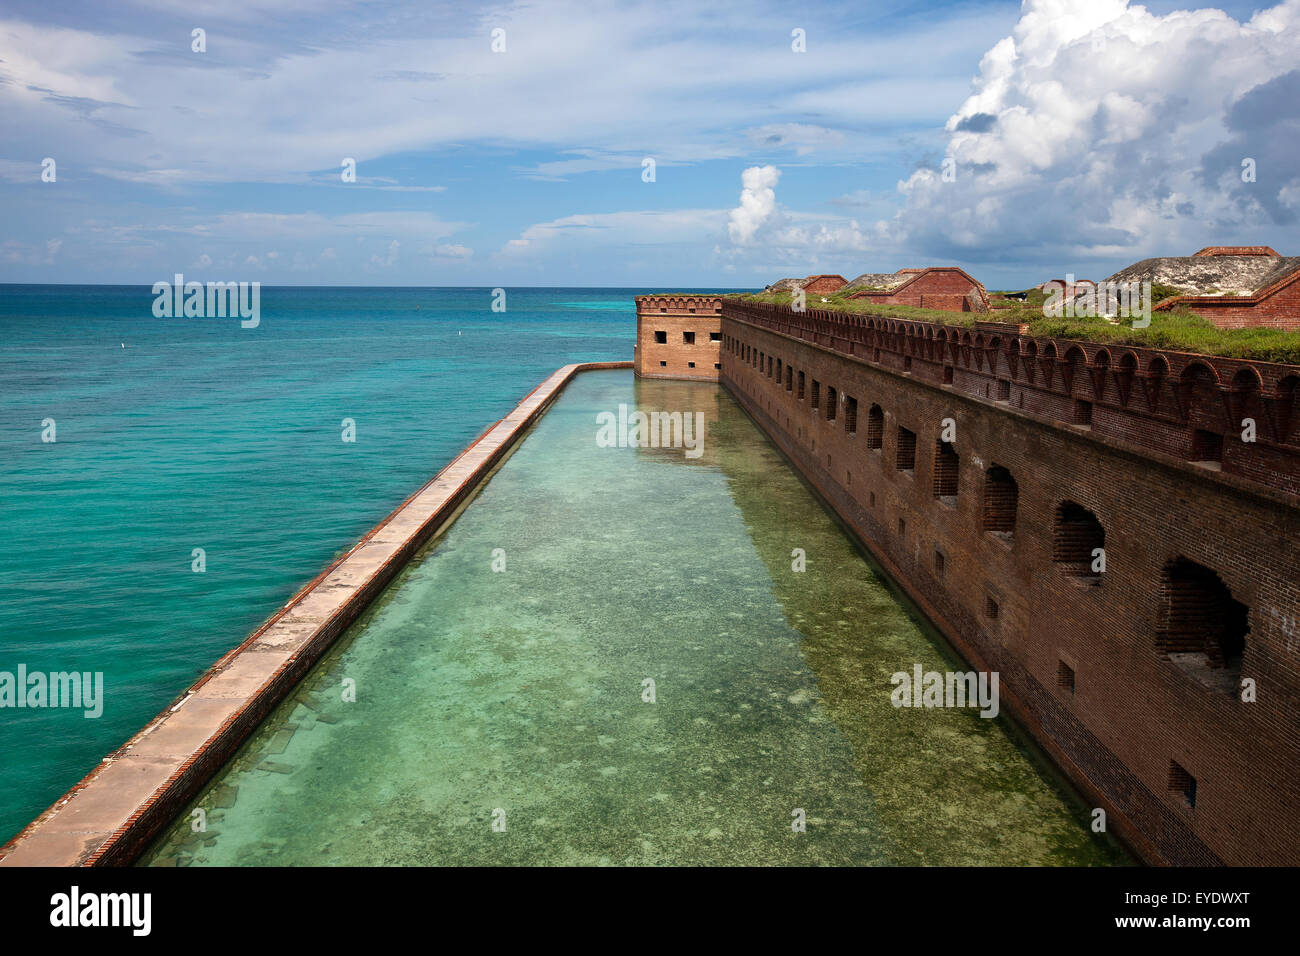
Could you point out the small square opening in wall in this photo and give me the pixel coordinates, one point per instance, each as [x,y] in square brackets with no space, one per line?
[688,338]
[1207,446]
[991,608]
[1182,783]
[663,364]
[717,365]
[1065,676]
[661,338]
[690,364]
[715,336]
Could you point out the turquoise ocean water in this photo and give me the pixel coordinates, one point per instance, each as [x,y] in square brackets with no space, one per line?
[177,434]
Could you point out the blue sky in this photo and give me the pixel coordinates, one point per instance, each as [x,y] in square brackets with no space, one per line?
[1082,134]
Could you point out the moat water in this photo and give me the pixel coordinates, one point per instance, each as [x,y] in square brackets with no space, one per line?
[501,716]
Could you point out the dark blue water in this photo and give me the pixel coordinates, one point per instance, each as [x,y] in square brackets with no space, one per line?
[203,434]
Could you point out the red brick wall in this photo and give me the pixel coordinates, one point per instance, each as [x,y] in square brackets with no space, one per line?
[1133,710]
[1281,310]
[945,289]
[1235,251]
[824,284]
[676,315]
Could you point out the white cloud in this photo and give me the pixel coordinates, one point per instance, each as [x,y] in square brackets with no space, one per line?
[136,104]
[757,202]
[30,253]
[389,260]
[650,227]
[1100,130]
[454,251]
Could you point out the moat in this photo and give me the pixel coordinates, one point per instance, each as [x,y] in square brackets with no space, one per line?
[501,711]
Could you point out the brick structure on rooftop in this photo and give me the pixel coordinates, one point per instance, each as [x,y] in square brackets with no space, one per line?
[1236,251]
[824,284]
[1234,287]
[944,287]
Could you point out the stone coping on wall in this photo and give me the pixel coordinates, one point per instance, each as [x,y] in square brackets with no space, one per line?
[125,801]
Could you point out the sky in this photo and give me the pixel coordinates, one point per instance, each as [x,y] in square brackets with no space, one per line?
[657,145]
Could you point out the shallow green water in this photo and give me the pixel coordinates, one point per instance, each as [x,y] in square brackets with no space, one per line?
[521,691]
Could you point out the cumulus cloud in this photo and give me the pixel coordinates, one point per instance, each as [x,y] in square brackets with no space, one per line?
[757,202]
[765,236]
[1115,132]
[453,251]
[390,259]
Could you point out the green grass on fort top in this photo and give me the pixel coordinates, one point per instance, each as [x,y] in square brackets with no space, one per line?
[1177,330]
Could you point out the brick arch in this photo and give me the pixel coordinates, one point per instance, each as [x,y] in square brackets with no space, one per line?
[1247,379]
[1029,357]
[1099,371]
[1243,401]
[1200,626]
[1197,391]
[1287,406]
[1075,360]
[1197,372]
[1154,380]
[1124,372]
[1001,500]
[1077,533]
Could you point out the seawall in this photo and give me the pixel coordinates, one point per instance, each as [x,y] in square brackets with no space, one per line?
[112,814]
[987,471]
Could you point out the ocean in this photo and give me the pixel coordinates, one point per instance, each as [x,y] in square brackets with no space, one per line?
[188,442]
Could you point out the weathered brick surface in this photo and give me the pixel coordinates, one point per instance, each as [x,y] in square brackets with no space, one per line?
[941,287]
[1277,307]
[674,316]
[1133,710]
[822,284]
